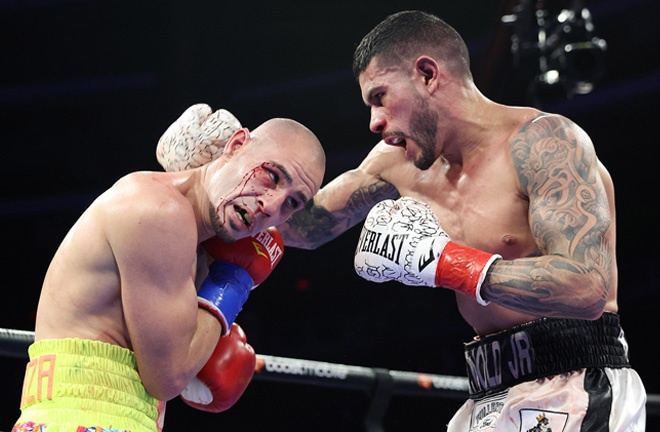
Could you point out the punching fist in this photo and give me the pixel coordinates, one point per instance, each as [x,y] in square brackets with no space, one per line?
[236,269]
[195,138]
[402,240]
[225,376]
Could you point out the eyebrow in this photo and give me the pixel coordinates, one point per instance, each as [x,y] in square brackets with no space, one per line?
[289,180]
[370,96]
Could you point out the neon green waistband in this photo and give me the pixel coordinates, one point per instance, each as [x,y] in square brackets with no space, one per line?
[96,380]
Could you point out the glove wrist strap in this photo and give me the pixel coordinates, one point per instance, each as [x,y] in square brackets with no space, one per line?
[224,292]
[463,269]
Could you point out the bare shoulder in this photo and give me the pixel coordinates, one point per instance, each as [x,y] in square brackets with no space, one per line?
[381,158]
[546,128]
[387,165]
[552,140]
[372,176]
[147,191]
[146,205]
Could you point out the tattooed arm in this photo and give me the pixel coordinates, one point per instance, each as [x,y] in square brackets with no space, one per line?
[341,204]
[571,220]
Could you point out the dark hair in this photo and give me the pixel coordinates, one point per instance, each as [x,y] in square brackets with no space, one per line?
[409,34]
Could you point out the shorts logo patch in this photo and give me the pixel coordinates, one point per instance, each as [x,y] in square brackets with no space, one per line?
[532,420]
[486,412]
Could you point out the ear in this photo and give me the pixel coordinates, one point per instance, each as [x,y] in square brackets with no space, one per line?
[429,71]
[236,141]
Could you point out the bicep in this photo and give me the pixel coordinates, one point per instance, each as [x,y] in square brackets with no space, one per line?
[568,206]
[159,302]
[156,261]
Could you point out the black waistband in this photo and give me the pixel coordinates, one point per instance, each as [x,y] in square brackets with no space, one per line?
[543,348]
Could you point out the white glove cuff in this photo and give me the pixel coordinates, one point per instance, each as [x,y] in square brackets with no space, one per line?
[477,293]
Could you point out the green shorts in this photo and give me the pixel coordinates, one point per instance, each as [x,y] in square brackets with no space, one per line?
[75,385]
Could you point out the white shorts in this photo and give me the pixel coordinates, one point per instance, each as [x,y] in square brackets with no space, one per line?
[564,375]
[560,403]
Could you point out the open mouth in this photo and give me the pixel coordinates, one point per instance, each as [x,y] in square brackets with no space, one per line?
[243,215]
[396,141]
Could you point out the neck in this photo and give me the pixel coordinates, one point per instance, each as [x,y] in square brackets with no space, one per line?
[190,184]
[471,127]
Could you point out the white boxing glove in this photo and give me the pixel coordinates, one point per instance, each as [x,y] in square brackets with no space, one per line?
[196,138]
[402,240]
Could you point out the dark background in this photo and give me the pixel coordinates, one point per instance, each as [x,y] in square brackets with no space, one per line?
[88,87]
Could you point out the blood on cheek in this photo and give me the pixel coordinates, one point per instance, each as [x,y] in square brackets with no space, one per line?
[244,188]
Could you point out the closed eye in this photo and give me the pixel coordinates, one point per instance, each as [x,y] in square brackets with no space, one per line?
[293,203]
[274,175]
[375,97]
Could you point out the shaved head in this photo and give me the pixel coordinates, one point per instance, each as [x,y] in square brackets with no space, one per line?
[280,131]
[290,137]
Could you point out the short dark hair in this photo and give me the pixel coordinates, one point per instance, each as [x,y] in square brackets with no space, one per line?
[407,34]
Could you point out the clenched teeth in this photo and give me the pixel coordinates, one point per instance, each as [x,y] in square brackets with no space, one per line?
[243,215]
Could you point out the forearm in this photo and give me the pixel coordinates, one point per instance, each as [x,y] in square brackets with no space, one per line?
[169,366]
[312,227]
[549,285]
[328,215]
[203,341]
[206,336]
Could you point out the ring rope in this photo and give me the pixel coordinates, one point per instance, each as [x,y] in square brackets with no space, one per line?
[15,343]
[382,383]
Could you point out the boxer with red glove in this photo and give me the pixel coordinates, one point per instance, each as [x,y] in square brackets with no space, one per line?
[225,376]
[402,240]
[237,268]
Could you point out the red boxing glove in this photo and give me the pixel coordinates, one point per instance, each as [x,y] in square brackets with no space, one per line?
[237,268]
[258,254]
[226,375]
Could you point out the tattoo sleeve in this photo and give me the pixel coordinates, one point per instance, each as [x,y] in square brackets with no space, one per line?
[569,218]
[315,225]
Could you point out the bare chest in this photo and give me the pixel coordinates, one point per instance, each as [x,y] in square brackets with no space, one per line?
[483,209]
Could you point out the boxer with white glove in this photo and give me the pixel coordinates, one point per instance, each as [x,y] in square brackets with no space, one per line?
[225,376]
[402,240]
[236,269]
[196,138]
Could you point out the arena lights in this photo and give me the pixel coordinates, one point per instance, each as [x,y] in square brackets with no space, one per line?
[558,36]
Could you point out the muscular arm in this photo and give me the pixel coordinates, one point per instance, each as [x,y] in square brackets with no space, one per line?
[570,219]
[155,248]
[339,205]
